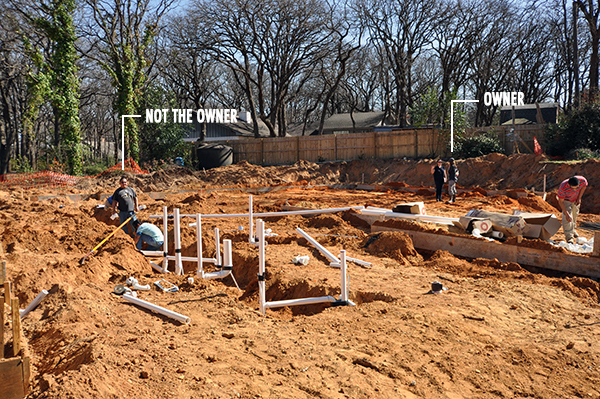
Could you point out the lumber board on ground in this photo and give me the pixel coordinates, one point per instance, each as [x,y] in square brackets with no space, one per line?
[16,326]
[14,378]
[476,248]
[1,326]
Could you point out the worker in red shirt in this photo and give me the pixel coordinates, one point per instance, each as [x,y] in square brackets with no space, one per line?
[569,196]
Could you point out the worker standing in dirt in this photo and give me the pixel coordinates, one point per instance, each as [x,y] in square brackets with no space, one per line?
[440,177]
[126,200]
[149,234]
[452,179]
[569,197]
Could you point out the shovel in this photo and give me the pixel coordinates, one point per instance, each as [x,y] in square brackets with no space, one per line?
[103,241]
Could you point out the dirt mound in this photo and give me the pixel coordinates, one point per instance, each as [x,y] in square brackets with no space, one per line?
[583,288]
[537,204]
[394,245]
[490,172]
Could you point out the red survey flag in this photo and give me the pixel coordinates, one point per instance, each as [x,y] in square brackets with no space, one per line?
[536,147]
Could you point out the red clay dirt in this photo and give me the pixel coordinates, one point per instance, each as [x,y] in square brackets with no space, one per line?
[500,330]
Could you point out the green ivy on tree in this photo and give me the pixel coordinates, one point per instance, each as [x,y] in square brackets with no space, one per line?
[57,79]
[161,140]
[129,76]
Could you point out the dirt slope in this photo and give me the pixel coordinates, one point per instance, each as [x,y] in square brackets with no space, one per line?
[498,331]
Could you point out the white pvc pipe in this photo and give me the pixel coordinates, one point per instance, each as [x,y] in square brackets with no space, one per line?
[217,247]
[276,214]
[192,259]
[301,301]
[260,227]
[178,264]
[165,268]
[157,267]
[171,215]
[158,309]
[200,270]
[136,285]
[375,208]
[227,253]
[216,275]
[321,248]
[497,234]
[251,210]
[33,304]
[359,262]
[344,267]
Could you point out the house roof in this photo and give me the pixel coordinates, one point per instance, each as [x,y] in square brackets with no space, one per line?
[338,123]
[527,114]
[225,131]
[362,121]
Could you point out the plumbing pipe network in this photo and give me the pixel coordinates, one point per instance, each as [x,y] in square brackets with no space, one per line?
[158,309]
[178,258]
[264,304]
[227,256]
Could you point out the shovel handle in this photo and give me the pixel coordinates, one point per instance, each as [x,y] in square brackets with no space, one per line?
[111,234]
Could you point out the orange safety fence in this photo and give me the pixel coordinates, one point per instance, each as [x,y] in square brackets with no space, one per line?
[48,179]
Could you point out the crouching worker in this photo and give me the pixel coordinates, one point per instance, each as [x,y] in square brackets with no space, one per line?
[148,233]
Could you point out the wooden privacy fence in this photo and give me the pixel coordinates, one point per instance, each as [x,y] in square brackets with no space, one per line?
[521,140]
[413,143]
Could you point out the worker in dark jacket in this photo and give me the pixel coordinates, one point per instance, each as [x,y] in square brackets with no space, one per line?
[439,177]
[126,200]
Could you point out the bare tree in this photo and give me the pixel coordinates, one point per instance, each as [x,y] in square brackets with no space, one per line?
[13,89]
[494,54]
[119,36]
[400,30]
[591,12]
[347,40]
[186,66]
[269,45]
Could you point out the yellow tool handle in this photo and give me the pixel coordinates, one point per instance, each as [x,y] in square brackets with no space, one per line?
[111,234]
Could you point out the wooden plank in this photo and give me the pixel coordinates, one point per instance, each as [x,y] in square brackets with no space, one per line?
[14,378]
[7,292]
[16,326]
[26,374]
[475,248]
[2,270]
[2,327]
[596,250]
